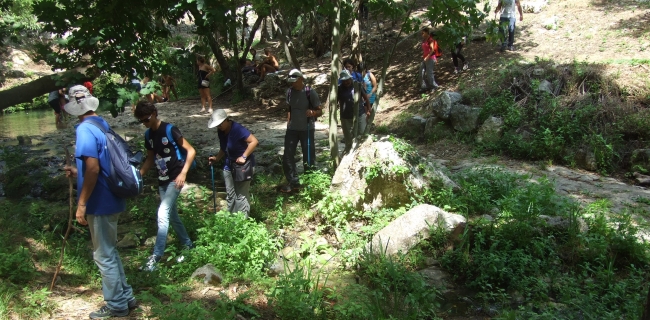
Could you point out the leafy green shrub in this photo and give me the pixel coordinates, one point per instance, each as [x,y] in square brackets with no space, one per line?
[15,263]
[395,292]
[317,184]
[237,246]
[298,294]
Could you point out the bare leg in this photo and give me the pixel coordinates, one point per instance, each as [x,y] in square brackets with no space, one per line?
[202,99]
[174,92]
[209,98]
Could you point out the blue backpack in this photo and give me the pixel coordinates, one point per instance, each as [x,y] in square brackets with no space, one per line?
[123,179]
[181,153]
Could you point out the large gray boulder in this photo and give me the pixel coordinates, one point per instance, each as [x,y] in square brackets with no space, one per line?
[464,118]
[491,130]
[409,229]
[441,106]
[374,175]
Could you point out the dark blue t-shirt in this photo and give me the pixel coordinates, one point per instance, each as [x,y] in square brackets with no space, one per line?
[91,142]
[346,101]
[234,143]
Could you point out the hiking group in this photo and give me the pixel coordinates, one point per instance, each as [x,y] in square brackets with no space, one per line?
[106,173]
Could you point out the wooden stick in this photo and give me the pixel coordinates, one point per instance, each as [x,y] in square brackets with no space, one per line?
[70,226]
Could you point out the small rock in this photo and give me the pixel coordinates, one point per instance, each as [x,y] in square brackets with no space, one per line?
[130,240]
[545,86]
[209,273]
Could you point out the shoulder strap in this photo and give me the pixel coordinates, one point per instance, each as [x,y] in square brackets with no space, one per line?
[96,124]
[308,93]
[168,130]
[146,135]
[289,96]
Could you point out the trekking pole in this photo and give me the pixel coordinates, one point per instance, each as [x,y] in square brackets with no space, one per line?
[67,232]
[214,195]
[308,147]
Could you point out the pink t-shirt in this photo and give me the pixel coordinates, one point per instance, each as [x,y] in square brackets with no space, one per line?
[426,48]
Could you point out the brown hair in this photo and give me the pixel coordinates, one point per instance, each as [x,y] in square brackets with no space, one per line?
[200,59]
[144,108]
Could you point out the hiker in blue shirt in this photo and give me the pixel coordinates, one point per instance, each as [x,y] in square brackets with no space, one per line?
[97,206]
[172,171]
[236,146]
[345,100]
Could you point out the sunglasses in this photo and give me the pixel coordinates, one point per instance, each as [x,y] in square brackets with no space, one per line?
[294,76]
[145,120]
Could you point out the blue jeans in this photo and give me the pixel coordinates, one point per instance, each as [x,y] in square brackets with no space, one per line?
[507,23]
[237,194]
[291,139]
[103,232]
[168,212]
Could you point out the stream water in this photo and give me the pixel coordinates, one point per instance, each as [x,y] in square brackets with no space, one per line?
[36,123]
[28,123]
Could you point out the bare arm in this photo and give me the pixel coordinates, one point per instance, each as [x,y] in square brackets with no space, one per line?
[498,7]
[90,180]
[147,163]
[521,12]
[191,154]
[252,144]
[216,158]
[373,81]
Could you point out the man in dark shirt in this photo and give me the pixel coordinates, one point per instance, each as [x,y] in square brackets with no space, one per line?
[303,110]
[171,175]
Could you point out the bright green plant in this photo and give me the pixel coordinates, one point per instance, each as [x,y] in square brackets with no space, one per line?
[395,292]
[299,294]
[237,246]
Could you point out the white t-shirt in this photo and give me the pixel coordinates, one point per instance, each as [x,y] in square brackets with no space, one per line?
[508,8]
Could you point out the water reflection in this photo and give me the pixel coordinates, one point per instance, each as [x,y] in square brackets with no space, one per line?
[30,123]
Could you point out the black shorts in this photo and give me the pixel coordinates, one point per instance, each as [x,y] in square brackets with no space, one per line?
[55,105]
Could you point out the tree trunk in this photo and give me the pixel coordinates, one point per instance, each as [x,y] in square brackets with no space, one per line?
[243,28]
[283,34]
[30,90]
[384,69]
[355,33]
[320,46]
[334,76]
[264,35]
[214,45]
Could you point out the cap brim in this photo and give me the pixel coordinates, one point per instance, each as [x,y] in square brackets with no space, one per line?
[76,109]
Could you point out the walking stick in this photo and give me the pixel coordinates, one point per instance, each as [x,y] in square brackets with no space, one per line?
[214,196]
[308,147]
[67,232]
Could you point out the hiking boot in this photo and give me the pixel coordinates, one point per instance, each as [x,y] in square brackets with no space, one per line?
[151,263]
[133,304]
[286,189]
[105,312]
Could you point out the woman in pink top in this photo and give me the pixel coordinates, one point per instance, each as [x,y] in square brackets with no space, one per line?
[428,62]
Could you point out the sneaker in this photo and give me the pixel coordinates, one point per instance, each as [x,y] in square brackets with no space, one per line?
[466,66]
[165,99]
[286,189]
[296,186]
[456,71]
[133,304]
[511,48]
[503,48]
[105,312]
[151,263]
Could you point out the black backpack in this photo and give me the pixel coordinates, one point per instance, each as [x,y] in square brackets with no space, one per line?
[123,179]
